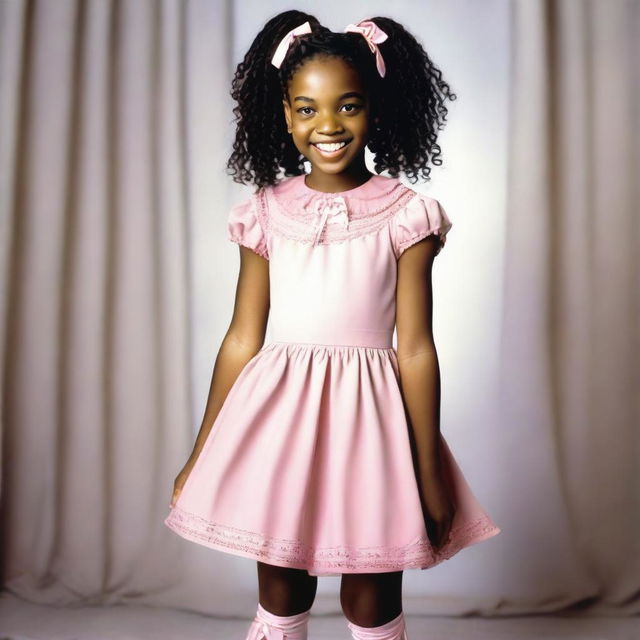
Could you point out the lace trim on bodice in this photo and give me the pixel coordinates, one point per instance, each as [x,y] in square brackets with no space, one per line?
[322,218]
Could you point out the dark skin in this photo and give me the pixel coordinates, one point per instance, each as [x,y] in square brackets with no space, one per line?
[367,599]
[317,110]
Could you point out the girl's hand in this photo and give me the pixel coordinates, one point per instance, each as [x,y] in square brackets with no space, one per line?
[181,478]
[439,510]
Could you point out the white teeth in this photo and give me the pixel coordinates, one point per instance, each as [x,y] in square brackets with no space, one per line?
[330,147]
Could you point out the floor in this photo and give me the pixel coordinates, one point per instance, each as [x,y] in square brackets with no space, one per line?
[20,620]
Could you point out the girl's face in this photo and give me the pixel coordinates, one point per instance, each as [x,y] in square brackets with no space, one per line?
[327,103]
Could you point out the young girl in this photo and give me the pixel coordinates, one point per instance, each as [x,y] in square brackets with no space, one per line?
[320,452]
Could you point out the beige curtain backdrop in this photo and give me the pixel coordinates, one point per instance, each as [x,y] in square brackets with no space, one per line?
[111,119]
[115,122]
[571,319]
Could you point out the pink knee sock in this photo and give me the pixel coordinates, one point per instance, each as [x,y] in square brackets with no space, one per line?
[393,630]
[268,626]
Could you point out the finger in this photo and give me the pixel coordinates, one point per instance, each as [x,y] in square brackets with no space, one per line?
[446,535]
[434,532]
[436,540]
[443,536]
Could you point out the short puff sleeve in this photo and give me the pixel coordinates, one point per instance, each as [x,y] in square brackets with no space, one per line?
[421,217]
[245,227]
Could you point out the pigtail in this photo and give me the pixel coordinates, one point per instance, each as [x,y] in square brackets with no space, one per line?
[410,110]
[407,105]
[261,145]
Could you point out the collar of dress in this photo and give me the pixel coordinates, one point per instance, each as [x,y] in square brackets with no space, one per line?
[340,207]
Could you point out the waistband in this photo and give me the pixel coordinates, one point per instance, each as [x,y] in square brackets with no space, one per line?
[344,337]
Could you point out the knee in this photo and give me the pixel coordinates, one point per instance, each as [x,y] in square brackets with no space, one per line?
[285,591]
[371,600]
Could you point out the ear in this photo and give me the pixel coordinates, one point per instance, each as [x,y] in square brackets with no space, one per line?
[287,113]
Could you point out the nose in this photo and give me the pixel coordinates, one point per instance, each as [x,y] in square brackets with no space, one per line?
[329,125]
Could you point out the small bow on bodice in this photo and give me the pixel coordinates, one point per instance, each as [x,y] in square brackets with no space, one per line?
[332,209]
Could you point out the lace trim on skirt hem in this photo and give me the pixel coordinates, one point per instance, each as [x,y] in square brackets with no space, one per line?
[418,554]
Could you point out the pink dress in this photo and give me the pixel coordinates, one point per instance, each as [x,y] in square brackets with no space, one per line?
[309,463]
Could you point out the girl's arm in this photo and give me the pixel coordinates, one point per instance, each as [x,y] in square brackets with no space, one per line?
[243,339]
[417,356]
[420,383]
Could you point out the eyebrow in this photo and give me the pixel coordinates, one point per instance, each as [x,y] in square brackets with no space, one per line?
[349,94]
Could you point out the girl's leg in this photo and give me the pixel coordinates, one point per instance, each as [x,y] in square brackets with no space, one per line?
[286,597]
[285,591]
[372,604]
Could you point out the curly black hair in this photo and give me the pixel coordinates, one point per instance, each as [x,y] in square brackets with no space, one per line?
[407,105]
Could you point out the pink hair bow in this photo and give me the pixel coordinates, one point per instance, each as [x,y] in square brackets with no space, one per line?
[285,43]
[374,35]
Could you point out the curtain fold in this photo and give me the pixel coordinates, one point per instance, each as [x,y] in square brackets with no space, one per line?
[96,365]
[571,298]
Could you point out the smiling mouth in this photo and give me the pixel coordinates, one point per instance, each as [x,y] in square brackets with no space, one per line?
[330,149]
